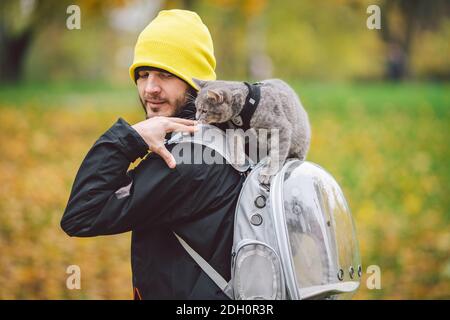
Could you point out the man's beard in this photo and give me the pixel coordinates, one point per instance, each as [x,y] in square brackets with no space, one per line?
[179,105]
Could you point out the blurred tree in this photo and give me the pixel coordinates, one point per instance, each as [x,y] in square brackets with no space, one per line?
[402,20]
[181,4]
[21,21]
[258,64]
[240,40]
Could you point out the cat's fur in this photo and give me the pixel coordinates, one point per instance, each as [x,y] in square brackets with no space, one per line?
[279,108]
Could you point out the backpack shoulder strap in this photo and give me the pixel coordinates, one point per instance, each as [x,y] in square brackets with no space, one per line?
[206,267]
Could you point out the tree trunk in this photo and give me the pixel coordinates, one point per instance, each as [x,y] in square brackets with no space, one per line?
[397,57]
[13,50]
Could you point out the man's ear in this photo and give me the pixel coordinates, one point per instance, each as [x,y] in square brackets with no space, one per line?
[200,83]
[215,95]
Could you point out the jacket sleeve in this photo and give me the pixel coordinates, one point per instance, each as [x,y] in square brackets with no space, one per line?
[106,198]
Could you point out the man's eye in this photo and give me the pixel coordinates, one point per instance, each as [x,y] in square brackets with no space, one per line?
[143,75]
[166,75]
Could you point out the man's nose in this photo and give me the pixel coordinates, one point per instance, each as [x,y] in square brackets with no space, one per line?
[152,86]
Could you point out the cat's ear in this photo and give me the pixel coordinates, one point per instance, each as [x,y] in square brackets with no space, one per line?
[199,83]
[215,96]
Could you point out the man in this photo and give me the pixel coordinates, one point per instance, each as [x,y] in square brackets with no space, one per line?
[196,201]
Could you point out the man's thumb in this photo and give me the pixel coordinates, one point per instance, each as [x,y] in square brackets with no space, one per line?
[167,156]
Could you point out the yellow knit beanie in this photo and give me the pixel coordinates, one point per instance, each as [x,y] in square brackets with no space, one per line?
[176,41]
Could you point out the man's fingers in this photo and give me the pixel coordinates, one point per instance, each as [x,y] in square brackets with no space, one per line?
[186,122]
[177,127]
[166,155]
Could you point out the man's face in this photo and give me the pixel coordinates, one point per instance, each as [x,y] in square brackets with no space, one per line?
[161,93]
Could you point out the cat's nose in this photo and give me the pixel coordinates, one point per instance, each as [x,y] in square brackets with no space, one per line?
[200,117]
[200,113]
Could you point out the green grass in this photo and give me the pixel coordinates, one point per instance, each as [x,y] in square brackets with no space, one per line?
[69,95]
[339,97]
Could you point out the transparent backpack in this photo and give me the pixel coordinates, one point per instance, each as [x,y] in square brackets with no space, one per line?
[294,240]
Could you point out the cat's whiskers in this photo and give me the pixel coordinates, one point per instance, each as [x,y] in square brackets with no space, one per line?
[190,97]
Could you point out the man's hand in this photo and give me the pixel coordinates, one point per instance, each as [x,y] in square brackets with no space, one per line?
[154,130]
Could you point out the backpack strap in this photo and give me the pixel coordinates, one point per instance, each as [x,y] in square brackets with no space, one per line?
[206,267]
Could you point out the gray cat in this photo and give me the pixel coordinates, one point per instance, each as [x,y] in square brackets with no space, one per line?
[279,108]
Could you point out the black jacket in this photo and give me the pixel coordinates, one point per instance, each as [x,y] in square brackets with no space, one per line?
[197,201]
